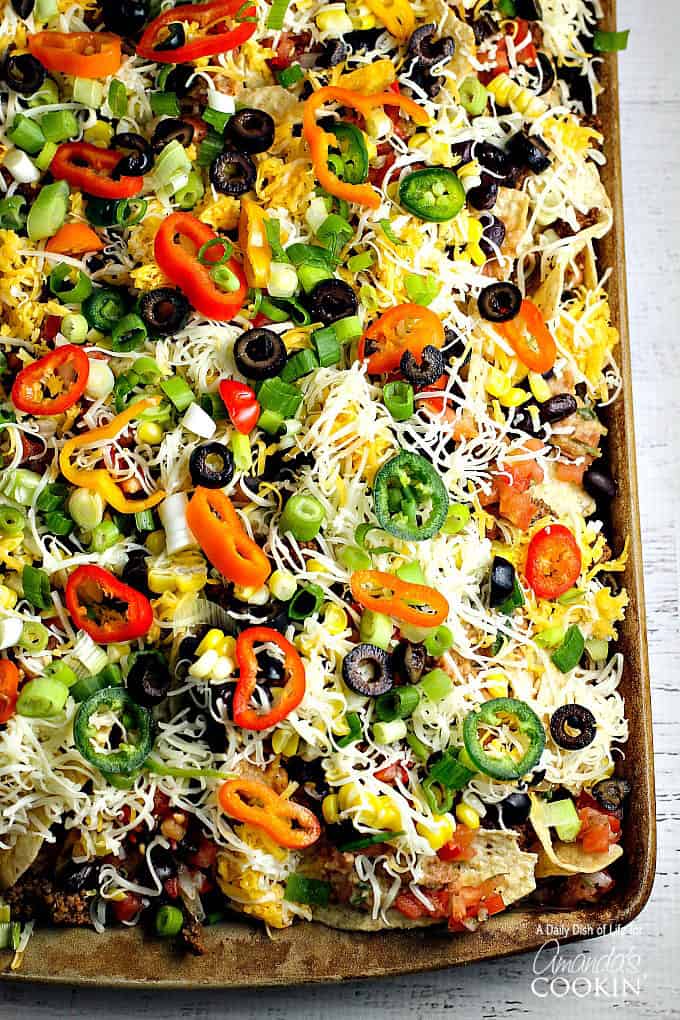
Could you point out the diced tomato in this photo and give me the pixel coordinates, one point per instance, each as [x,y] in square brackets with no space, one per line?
[161,804]
[598,830]
[525,54]
[205,856]
[569,472]
[493,904]
[377,174]
[127,908]
[171,887]
[391,772]
[410,906]
[458,848]
[515,505]
[466,901]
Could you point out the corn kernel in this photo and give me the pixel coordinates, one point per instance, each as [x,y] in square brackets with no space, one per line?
[149,432]
[387,816]
[223,668]
[210,641]
[539,387]
[8,598]
[100,134]
[253,596]
[514,397]
[227,646]
[471,169]
[329,808]
[193,581]
[467,815]
[349,796]
[497,383]
[334,20]
[496,684]
[155,542]
[316,566]
[284,742]
[202,668]
[334,618]
[438,830]
[378,124]
[117,652]
[282,585]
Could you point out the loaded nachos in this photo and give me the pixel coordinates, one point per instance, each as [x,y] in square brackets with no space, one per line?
[306,601]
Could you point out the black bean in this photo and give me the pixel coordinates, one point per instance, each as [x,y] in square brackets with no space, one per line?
[562,405]
[493,235]
[599,484]
[483,196]
[515,808]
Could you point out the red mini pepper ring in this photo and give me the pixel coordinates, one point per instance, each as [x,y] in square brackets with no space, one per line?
[181,265]
[52,384]
[9,686]
[417,604]
[241,403]
[217,527]
[81,54]
[553,562]
[208,16]
[106,608]
[288,697]
[252,801]
[530,338]
[89,168]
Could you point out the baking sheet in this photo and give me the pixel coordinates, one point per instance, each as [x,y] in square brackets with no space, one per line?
[242,955]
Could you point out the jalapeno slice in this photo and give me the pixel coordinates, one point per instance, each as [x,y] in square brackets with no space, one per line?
[434,194]
[353,167]
[508,721]
[129,740]
[410,499]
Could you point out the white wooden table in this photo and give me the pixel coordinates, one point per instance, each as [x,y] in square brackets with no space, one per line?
[651,155]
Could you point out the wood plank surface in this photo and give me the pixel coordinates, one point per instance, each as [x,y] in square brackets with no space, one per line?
[638,969]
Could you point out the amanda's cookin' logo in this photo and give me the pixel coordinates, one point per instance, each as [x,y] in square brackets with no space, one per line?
[613,974]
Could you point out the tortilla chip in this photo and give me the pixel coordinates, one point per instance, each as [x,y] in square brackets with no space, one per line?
[560,858]
[497,858]
[549,295]
[14,862]
[512,207]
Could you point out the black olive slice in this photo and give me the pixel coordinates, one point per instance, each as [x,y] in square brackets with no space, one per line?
[408,661]
[211,465]
[367,670]
[543,74]
[136,573]
[24,74]
[250,131]
[77,877]
[175,38]
[531,152]
[427,50]
[502,581]
[530,10]
[611,793]
[515,808]
[23,8]
[148,679]
[331,300]
[233,173]
[139,159]
[333,53]
[573,727]
[484,27]
[499,302]
[493,236]
[270,669]
[599,484]
[561,405]
[125,17]
[169,130]
[484,196]
[164,310]
[430,369]
[181,80]
[259,353]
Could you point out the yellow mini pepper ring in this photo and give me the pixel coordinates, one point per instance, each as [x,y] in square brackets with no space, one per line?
[319,141]
[99,479]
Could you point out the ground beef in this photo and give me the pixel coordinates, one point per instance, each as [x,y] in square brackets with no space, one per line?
[36,898]
[191,936]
